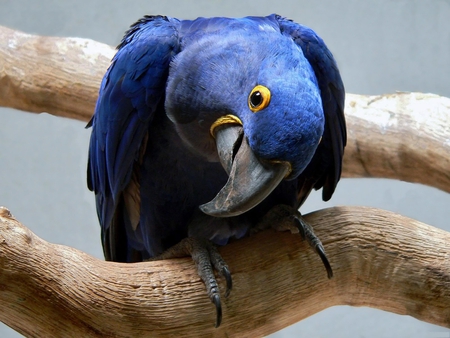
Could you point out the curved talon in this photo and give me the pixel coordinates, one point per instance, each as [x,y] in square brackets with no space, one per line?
[218,304]
[321,252]
[226,273]
[300,227]
[307,234]
[282,213]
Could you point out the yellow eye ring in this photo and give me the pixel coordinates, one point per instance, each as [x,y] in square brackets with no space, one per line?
[259,98]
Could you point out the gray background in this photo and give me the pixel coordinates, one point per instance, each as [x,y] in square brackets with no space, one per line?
[381,46]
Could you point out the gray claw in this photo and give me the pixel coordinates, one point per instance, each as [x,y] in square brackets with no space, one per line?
[226,273]
[218,304]
[307,234]
[321,252]
[300,227]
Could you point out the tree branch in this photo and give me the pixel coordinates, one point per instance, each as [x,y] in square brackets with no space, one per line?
[380,259]
[60,76]
[403,136]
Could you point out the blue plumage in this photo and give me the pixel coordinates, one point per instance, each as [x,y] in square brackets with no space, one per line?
[152,157]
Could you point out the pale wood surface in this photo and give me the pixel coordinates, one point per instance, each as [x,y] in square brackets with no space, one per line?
[379,259]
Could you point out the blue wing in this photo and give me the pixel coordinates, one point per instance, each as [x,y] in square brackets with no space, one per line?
[325,168]
[131,92]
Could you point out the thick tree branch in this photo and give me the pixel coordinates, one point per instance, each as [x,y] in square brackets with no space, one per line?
[379,259]
[60,76]
[403,136]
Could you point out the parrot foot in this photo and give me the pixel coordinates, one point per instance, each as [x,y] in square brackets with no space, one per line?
[207,259]
[283,217]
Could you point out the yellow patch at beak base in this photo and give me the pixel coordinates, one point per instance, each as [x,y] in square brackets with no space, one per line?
[226,119]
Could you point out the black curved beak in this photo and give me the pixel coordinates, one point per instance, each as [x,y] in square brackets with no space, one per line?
[250,179]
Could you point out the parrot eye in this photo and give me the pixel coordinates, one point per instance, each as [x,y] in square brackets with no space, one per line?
[256,99]
[259,98]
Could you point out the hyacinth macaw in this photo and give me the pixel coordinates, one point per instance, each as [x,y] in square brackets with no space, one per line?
[206,128]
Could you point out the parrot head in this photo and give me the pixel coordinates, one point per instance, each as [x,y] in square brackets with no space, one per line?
[250,102]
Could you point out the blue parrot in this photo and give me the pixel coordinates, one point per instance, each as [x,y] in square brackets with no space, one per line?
[206,129]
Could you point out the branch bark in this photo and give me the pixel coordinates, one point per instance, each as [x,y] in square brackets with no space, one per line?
[380,259]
